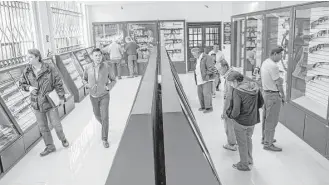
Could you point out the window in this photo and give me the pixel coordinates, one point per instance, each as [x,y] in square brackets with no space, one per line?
[67,20]
[310,72]
[16,31]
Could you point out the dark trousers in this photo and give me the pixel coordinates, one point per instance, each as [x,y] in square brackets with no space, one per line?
[133,68]
[101,111]
[52,118]
[205,95]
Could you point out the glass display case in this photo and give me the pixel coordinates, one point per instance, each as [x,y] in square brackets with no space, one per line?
[106,33]
[83,58]
[8,132]
[310,65]
[17,100]
[72,73]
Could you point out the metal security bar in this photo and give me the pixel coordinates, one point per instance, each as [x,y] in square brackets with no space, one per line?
[67,20]
[16,35]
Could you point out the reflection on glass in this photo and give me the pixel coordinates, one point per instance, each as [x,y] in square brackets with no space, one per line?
[238,49]
[253,45]
[310,75]
[278,35]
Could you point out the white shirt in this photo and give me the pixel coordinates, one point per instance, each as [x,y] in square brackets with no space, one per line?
[269,74]
[115,51]
[199,80]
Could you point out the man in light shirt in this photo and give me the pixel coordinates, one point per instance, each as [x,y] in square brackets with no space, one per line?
[115,50]
[273,95]
[219,57]
[204,74]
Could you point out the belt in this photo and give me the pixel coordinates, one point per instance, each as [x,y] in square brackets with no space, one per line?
[269,91]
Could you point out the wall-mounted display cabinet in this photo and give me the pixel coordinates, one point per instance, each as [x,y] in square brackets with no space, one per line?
[148,35]
[303,32]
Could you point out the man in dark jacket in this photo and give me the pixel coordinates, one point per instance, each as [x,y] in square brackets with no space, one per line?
[131,50]
[244,110]
[39,79]
[100,79]
[205,72]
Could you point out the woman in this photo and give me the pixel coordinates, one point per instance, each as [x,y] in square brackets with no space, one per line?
[39,79]
[244,110]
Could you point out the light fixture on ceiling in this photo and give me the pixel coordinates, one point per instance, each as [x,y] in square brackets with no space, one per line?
[206,6]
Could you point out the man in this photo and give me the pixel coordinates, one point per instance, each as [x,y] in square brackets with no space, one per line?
[273,95]
[204,74]
[115,51]
[131,50]
[100,80]
[225,71]
[219,57]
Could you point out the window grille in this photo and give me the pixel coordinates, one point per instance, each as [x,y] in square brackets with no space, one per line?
[67,20]
[16,35]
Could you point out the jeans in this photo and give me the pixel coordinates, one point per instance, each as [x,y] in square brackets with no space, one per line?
[216,83]
[229,130]
[52,117]
[205,95]
[133,68]
[116,65]
[272,106]
[244,139]
[101,112]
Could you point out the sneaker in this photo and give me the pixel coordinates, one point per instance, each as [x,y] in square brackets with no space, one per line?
[202,109]
[208,110]
[47,151]
[65,143]
[241,167]
[272,148]
[119,77]
[136,75]
[217,89]
[274,140]
[106,144]
[230,147]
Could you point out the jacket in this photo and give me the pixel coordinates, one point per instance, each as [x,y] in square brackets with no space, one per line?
[207,67]
[228,89]
[105,79]
[131,48]
[47,80]
[247,100]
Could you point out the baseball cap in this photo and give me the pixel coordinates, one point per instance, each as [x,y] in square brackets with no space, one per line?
[277,49]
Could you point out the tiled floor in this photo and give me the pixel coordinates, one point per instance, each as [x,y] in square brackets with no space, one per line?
[87,162]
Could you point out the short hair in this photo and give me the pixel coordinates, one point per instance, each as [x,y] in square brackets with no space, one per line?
[224,63]
[234,75]
[213,54]
[36,53]
[277,50]
[96,50]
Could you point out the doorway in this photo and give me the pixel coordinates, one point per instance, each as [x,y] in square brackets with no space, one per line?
[203,35]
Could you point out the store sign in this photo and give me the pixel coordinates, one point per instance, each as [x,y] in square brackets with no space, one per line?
[227,32]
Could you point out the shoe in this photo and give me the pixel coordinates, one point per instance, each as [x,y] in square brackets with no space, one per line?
[120,78]
[65,143]
[106,144]
[136,75]
[272,148]
[47,151]
[214,95]
[208,110]
[230,147]
[274,140]
[217,89]
[202,109]
[240,167]
[130,76]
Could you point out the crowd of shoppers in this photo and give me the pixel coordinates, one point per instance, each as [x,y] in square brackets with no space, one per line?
[243,99]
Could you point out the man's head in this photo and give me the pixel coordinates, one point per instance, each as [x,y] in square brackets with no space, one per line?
[97,55]
[224,67]
[276,54]
[34,56]
[235,78]
[213,55]
[196,52]
[216,48]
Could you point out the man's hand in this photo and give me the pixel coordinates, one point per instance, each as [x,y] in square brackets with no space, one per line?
[61,102]
[283,99]
[224,116]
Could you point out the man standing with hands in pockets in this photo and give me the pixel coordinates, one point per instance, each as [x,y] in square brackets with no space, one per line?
[100,79]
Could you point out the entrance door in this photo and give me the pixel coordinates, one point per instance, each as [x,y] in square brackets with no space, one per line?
[203,35]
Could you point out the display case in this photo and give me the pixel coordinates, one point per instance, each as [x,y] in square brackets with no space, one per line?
[72,73]
[69,105]
[83,58]
[106,33]
[172,36]
[303,32]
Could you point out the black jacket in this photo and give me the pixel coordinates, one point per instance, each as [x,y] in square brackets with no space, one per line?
[47,80]
[247,100]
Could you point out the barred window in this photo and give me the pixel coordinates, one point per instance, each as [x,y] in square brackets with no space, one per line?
[16,35]
[67,20]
